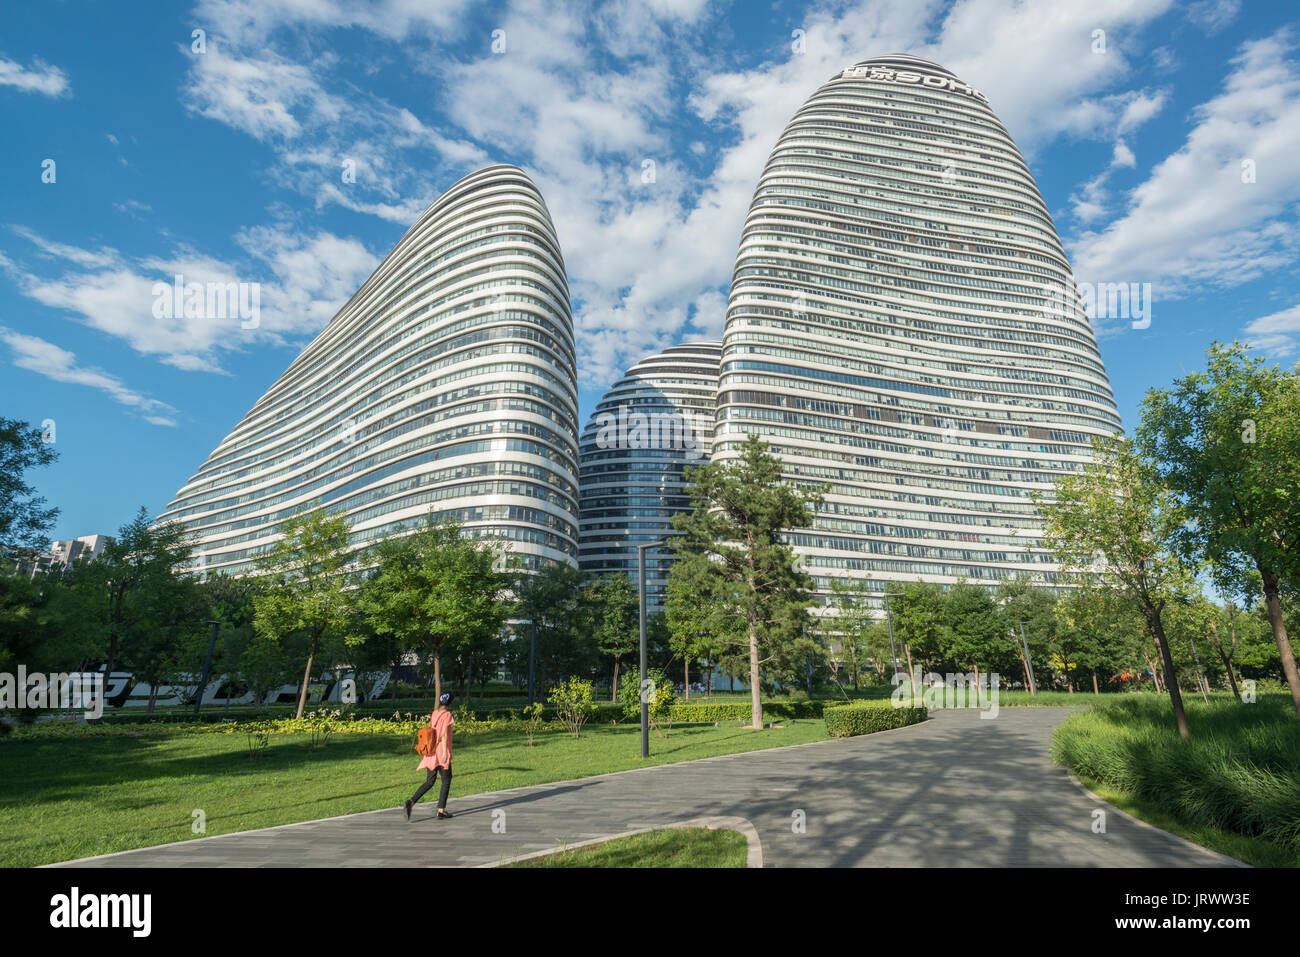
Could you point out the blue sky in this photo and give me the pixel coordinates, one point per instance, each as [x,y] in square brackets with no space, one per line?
[227,165]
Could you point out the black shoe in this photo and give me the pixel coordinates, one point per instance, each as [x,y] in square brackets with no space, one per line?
[442,813]
[406,806]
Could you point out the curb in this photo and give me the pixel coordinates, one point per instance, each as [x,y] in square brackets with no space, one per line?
[1220,860]
[753,856]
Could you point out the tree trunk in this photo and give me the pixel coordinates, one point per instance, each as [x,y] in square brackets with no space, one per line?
[686,670]
[1155,675]
[437,674]
[613,692]
[974,666]
[907,650]
[1226,659]
[306,675]
[755,693]
[112,657]
[1095,689]
[1280,636]
[1175,694]
[153,697]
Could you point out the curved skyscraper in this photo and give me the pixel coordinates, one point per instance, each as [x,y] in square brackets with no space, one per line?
[447,382]
[897,329]
[656,420]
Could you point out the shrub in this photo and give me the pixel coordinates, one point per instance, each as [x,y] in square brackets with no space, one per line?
[574,702]
[1239,771]
[629,694]
[865,717]
[532,718]
[407,723]
[739,711]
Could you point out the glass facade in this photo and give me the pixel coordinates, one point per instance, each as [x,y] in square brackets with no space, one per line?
[447,382]
[902,327]
[655,421]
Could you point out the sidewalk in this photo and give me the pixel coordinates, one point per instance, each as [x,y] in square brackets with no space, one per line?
[954,791]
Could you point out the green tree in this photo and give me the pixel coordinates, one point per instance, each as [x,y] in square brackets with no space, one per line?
[1223,639]
[228,601]
[920,617]
[308,574]
[557,600]
[1225,442]
[698,626]
[877,647]
[26,616]
[436,590]
[976,629]
[1024,604]
[616,609]
[1113,522]
[124,591]
[24,518]
[265,666]
[478,658]
[732,539]
[169,616]
[847,623]
[1095,630]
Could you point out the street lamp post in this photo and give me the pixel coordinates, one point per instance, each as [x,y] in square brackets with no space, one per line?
[645,704]
[207,665]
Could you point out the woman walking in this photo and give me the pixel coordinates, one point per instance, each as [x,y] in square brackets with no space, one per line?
[440,761]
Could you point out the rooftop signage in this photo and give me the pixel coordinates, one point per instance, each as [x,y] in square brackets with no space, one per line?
[916,79]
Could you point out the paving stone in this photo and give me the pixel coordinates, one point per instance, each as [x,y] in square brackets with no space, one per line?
[954,791]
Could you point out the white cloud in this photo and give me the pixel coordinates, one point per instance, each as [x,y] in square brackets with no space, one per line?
[1194,222]
[258,95]
[45,358]
[40,77]
[1054,83]
[301,281]
[318,127]
[585,93]
[1213,15]
[1278,333]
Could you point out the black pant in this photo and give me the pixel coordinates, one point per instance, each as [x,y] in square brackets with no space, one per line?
[428,783]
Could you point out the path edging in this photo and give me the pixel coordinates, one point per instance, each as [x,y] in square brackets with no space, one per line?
[1223,859]
[523,787]
[753,853]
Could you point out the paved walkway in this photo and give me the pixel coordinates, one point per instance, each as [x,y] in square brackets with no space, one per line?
[953,791]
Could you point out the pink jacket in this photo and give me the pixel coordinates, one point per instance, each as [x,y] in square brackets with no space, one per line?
[441,757]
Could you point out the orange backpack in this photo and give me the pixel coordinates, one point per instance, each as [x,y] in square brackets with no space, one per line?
[426,741]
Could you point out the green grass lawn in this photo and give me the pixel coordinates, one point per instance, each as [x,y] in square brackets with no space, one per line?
[670,847]
[1234,786]
[75,797]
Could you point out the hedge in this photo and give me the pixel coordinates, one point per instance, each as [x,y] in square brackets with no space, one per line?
[740,711]
[314,722]
[379,709]
[864,717]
